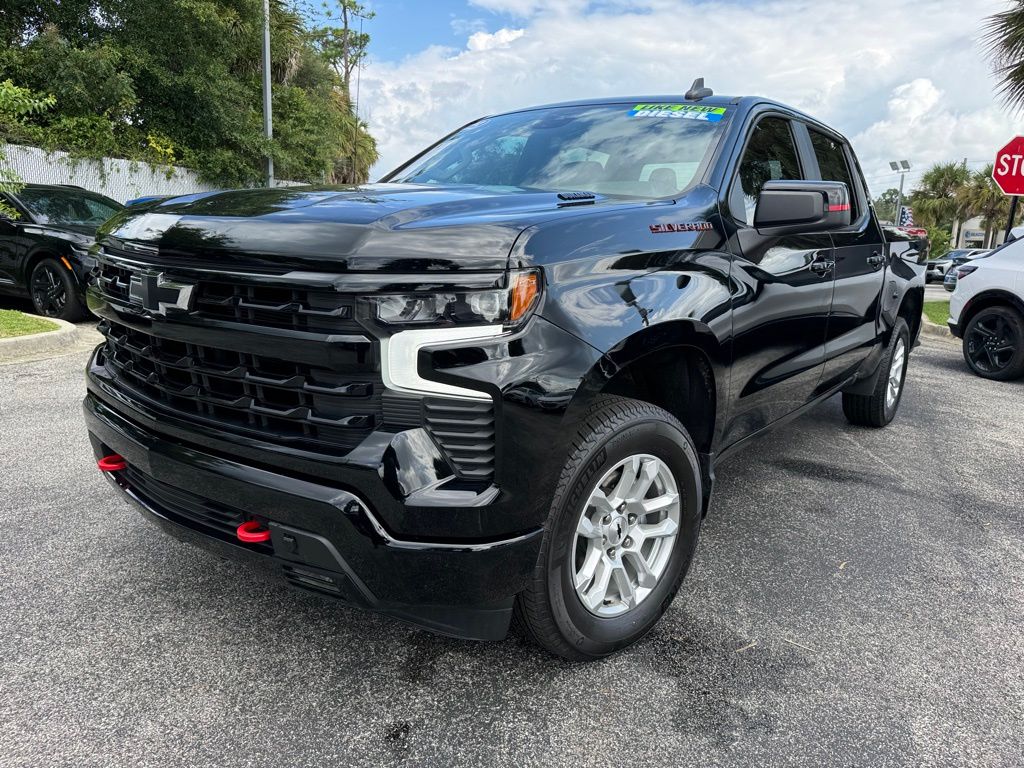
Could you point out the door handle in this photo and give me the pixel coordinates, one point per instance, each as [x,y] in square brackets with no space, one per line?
[822,264]
[876,259]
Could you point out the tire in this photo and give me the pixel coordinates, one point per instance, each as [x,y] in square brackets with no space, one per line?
[617,435]
[880,407]
[53,291]
[994,343]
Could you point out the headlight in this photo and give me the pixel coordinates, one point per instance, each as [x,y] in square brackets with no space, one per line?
[509,306]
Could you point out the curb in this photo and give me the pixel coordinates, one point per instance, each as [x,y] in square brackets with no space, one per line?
[928,328]
[45,343]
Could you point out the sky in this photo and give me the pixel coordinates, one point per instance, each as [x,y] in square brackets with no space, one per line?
[902,80]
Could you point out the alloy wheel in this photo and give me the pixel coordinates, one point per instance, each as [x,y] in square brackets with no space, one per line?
[892,392]
[48,292]
[625,535]
[991,343]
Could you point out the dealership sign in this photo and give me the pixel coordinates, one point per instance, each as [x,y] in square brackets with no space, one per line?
[1008,170]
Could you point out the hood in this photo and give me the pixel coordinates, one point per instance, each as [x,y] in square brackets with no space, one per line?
[392,227]
[78,235]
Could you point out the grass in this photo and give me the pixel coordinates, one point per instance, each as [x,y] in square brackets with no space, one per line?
[937,311]
[14,323]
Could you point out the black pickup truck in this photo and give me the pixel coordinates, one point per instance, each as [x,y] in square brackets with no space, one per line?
[498,382]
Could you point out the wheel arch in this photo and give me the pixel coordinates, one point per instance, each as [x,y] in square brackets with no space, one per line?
[989,298]
[33,258]
[677,365]
[910,309]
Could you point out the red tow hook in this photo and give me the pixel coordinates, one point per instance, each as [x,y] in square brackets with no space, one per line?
[252,532]
[112,463]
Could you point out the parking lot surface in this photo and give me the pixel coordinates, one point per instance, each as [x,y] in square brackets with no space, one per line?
[857,599]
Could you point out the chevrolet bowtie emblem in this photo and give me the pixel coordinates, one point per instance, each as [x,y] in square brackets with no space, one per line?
[157,294]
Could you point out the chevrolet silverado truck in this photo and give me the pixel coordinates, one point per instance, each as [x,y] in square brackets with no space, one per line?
[496,385]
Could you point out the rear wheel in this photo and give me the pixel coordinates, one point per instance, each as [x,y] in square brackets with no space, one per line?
[53,291]
[621,533]
[879,408]
[994,343]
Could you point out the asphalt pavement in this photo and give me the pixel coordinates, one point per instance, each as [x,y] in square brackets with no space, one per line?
[856,599]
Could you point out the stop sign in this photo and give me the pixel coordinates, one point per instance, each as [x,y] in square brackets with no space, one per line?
[1008,170]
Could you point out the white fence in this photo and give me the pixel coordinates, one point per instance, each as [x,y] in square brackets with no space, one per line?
[120,179]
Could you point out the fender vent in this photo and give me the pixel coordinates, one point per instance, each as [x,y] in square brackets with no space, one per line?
[464,431]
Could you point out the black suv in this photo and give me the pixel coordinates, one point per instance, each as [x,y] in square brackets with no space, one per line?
[500,380]
[44,251]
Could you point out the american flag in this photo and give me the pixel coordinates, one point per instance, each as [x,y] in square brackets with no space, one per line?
[906,218]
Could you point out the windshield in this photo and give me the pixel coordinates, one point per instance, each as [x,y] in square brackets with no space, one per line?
[68,207]
[628,150]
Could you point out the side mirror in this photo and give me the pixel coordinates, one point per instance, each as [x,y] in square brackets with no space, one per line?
[802,206]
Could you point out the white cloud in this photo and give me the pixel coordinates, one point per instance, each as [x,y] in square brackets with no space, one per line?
[904,80]
[483,41]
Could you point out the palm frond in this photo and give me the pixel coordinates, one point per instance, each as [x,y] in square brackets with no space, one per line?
[1004,40]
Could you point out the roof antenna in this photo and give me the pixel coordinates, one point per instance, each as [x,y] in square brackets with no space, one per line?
[698,91]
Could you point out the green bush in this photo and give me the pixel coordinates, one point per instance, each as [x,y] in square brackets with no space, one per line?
[180,81]
[939,238]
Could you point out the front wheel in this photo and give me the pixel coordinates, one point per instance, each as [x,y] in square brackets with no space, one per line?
[53,291]
[621,533]
[879,408]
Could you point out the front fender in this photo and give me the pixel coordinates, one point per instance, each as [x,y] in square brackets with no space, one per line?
[904,281]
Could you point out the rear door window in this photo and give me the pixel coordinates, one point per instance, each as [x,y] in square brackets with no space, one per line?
[833,166]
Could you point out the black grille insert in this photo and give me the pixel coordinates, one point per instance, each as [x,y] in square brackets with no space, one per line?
[312,310]
[276,400]
[464,430]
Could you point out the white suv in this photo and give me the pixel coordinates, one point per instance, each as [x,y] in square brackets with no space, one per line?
[987,312]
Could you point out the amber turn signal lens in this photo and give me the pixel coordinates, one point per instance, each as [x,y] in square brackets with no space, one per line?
[524,293]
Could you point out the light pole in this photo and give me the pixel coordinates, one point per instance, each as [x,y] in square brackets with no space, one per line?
[268,118]
[901,167]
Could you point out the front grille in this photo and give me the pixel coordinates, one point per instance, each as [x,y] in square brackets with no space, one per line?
[274,400]
[464,430]
[307,309]
[114,282]
[182,503]
[300,309]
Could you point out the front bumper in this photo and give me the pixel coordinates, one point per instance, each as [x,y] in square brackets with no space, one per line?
[324,537]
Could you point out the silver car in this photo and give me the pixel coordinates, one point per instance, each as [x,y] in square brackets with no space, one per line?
[938,268]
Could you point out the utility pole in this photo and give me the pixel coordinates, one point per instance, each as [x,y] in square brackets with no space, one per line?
[901,166]
[268,118]
[1009,221]
[959,222]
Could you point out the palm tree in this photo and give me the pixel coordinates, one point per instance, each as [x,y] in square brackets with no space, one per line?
[1005,38]
[982,197]
[937,200]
